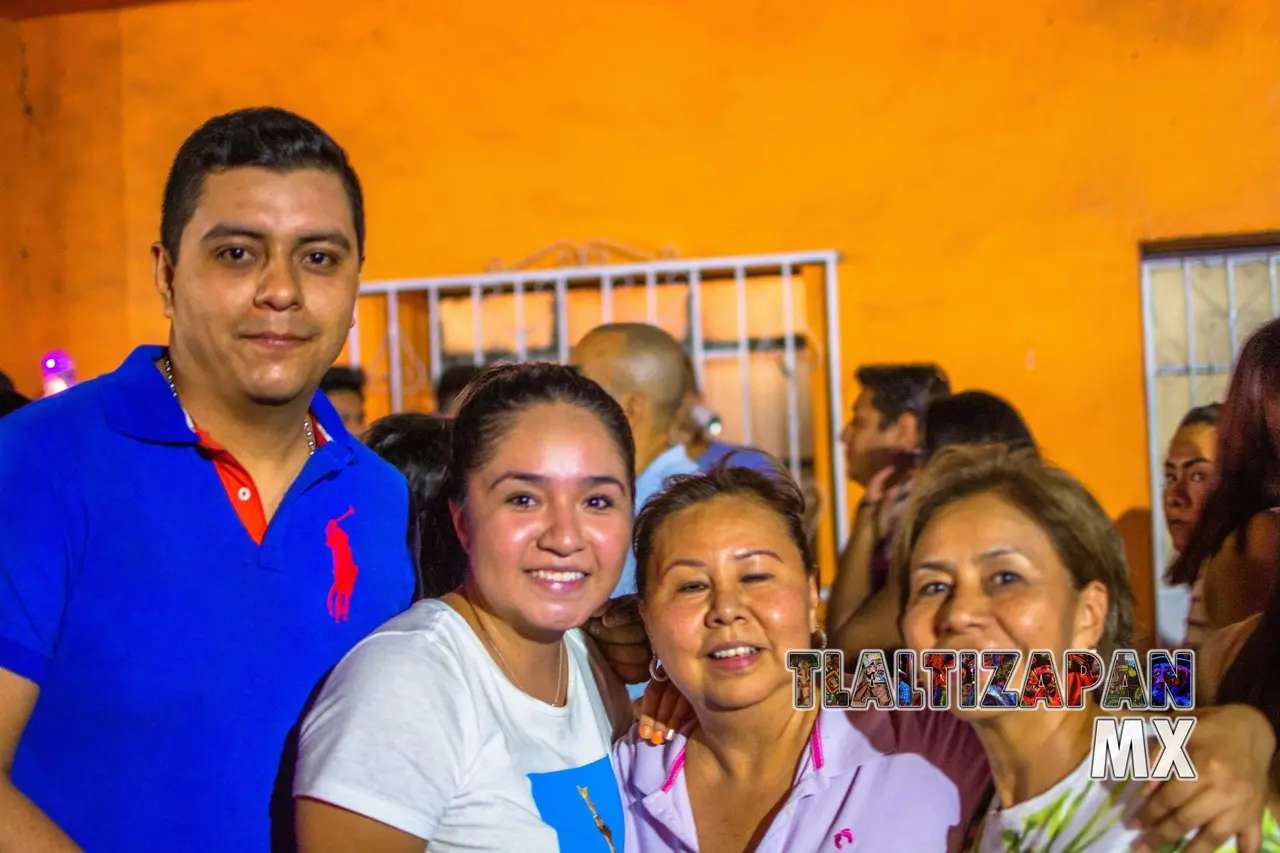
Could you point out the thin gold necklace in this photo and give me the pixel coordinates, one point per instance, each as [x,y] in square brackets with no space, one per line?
[306,422]
[484,632]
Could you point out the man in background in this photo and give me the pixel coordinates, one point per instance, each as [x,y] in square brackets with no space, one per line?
[451,384]
[881,445]
[344,386]
[643,368]
[691,427]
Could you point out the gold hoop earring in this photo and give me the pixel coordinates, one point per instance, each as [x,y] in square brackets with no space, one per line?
[655,673]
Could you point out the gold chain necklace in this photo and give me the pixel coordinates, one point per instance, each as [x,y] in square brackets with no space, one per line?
[306,422]
[484,632]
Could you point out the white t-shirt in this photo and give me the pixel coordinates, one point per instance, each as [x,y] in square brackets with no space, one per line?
[419,729]
[1079,813]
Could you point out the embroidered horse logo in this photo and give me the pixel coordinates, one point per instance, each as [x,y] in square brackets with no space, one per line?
[344,567]
[843,837]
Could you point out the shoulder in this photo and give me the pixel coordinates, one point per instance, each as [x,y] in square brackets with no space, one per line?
[379,474]
[946,742]
[1263,531]
[49,424]
[419,651]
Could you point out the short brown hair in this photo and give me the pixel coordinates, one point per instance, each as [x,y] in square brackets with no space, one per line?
[778,493]
[1081,532]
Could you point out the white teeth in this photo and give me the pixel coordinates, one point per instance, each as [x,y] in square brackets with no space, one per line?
[737,651]
[559,577]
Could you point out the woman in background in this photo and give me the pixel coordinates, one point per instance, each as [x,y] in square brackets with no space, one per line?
[1234,547]
[1000,551]
[482,721]
[1188,473]
[421,447]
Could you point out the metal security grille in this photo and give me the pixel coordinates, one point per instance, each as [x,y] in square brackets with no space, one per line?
[762,333]
[1198,309]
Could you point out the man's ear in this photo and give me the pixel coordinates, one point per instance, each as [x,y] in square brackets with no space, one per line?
[457,512]
[635,405]
[162,273]
[906,433]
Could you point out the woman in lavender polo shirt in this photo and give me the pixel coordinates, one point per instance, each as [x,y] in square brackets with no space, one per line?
[727,586]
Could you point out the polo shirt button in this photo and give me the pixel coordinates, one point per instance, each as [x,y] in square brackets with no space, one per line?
[244,494]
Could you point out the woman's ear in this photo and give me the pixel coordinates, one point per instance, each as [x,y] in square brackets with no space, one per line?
[1092,605]
[815,597]
[457,512]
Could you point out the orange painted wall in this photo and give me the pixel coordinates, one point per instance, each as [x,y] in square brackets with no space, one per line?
[988,171]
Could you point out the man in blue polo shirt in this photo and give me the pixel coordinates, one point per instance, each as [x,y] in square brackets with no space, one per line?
[189,543]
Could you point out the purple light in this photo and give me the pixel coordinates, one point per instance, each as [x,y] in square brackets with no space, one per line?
[59,372]
[57,362]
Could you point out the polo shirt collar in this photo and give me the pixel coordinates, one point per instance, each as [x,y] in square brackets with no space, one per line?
[840,743]
[139,404]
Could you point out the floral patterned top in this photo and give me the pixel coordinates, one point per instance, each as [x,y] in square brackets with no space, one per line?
[1080,814]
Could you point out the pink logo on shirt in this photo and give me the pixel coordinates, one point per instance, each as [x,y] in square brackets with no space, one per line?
[843,837]
[344,567]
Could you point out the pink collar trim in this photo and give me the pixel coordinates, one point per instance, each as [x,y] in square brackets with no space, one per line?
[815,752]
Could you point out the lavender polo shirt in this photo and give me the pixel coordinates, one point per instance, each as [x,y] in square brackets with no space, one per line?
[881,781]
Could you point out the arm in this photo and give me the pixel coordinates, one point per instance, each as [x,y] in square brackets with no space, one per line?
[853,575]
[1238,584]
[24,829]
[323,828]
[374,772]
[1232,748]
[40,534]
[873,626]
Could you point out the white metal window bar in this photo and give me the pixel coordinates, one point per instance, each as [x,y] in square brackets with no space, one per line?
[1197,310]
[655,274]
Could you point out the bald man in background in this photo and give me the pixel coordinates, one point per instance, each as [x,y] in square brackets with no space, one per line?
[642,367]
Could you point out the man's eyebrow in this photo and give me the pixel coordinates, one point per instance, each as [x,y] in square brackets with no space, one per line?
[223,230]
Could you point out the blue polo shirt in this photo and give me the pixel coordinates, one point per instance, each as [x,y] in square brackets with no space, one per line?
[172,652]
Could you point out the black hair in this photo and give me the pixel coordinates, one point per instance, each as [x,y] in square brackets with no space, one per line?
[420,446]
[1201,416]
[6,384]
[903,389]
[974,417]
[452,383]
[489,406]
[266,137]
[343,379]
[11,401]
[779,493]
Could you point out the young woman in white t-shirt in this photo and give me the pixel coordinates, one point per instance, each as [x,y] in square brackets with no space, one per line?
[482,721]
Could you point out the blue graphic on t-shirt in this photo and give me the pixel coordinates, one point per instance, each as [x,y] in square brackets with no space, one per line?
[583,807]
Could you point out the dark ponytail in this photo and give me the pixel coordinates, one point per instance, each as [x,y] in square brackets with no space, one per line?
[420,446]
